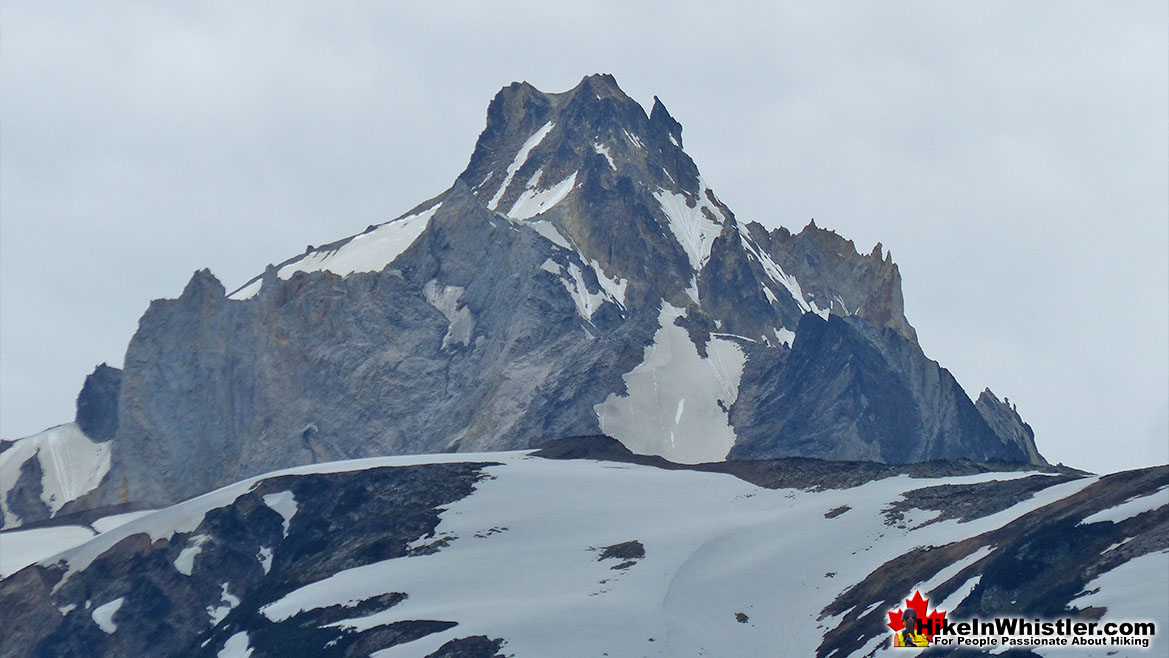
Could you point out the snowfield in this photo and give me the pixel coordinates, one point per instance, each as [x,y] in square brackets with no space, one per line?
[589,558]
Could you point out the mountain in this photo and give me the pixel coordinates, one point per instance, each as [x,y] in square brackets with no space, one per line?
[569,406]
[578,278]
[585,549]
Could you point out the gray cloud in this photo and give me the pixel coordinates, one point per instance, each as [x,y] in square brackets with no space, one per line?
[1012,155]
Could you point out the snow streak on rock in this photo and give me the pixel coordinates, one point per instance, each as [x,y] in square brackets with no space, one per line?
[534,201]
[71,465]
[693,228]
[520,158]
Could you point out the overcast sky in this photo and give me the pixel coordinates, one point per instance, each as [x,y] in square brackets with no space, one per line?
[1014,156]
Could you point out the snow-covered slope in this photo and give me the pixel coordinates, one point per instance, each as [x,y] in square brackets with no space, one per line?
[530,556]
[59,465]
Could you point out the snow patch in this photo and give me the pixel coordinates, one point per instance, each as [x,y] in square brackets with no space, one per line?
[520,158]
[284,504]
[652,417]
[546,229]
[532,202]
[265,558]
[784,337]
[229,601]
[604,150]
[950,571]
[1134,590]
[72,465]
[693,230]
[185,562]
[236,647]
[461,324]
[103,615]
[586,302]
[776,274]
[367,252]
[614,288]
[1130,508]
[107,523]
[711,551]
[21,548]
[959,595]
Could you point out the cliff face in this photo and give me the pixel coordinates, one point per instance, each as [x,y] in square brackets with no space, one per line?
[1006,422]
[445,350]
[579,277]
[849,390]
[839,278]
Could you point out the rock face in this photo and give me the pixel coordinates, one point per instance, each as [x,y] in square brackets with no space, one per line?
[579,277]
[1006,422]
[841,280]
[97,404]
[851,390]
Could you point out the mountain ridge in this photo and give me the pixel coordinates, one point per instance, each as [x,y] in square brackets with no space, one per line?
[578,277]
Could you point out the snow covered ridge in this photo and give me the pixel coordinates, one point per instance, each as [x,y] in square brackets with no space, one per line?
[370,251]
[520,554]
[70,465]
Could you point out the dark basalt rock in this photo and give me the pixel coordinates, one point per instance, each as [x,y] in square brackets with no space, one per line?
[97,404]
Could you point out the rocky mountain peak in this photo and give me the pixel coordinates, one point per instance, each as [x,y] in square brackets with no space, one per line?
[594,130]
[578,278]
[1003,417]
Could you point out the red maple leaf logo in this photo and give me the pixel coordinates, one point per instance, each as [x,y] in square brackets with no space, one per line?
[931,620]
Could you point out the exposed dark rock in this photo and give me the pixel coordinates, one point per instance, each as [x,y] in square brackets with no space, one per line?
[478,646]
[836,511]
[24,498]
[97,404]
[788,472]
[1006,422]
[972,501]
[852,391]
[630,550]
